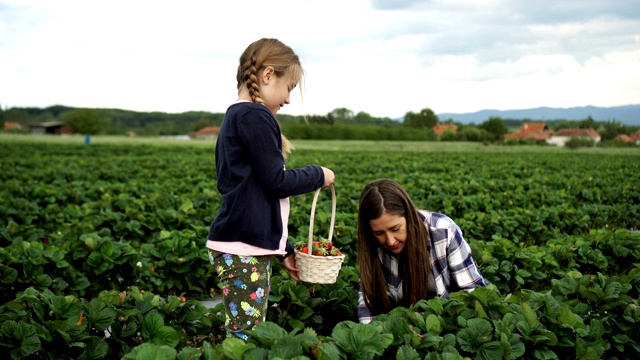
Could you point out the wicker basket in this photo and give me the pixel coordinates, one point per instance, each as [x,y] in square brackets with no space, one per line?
[319,269]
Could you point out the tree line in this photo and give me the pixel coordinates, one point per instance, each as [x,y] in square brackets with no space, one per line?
[340,123]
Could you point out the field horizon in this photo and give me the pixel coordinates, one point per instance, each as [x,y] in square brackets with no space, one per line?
[324,145]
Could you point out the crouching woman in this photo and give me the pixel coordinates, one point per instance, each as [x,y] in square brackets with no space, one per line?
[406,254]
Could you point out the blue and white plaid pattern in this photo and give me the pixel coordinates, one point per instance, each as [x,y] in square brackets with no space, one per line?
[452,265]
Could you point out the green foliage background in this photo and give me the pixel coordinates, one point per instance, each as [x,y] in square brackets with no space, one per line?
[94,231]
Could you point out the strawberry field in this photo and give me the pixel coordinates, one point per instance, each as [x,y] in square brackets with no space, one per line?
[102,254]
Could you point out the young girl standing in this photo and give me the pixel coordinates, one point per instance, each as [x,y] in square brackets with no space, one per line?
[251,225]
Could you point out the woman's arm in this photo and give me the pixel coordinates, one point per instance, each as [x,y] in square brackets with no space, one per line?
[453,265]
[463,268]
[362,311]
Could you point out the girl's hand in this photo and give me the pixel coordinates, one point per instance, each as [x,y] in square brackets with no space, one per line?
[329,177]
[290,264]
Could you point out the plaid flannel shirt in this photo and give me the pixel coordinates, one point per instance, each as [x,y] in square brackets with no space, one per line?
[453,268]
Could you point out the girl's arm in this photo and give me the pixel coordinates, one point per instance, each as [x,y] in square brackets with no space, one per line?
[261,136]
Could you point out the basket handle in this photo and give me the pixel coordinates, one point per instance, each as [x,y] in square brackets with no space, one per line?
[313,215]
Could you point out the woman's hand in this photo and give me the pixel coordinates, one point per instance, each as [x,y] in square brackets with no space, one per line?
[290,264]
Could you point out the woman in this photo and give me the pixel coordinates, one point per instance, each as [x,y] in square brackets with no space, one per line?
[406,254]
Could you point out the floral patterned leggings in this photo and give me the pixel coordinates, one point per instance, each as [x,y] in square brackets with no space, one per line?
[246,283]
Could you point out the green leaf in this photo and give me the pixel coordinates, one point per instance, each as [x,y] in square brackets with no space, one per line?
[308,337]
[551,337]
[43,280]
[544,354]
[490,351]
[21,338]
[299,295]
[485,295]
[154,330]
[328,351]
[287,347]
[477,332]
[189,353]
[444,356]
[149,351]
[108,249]
[94,259]
[110,297]
[480,310]
[395,325]
[524,328]
[433,323]
[234,348]
[267,333]
[186,206]
[9,275]
[151,323]
[512,345]
[96,348]
[90,242]
[568,318]
[167,335]
[565,286]
[255,354]
[589,351]
[612,290]
[98,314]
[406,352]
[529,315]
[435,305]
[361,339]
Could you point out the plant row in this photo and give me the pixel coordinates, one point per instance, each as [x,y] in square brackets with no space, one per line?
[581,317]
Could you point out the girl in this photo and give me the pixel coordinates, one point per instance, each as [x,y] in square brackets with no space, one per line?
[251,225]
[406,254]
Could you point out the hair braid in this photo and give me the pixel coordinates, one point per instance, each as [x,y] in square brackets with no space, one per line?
[252,81]
[258,55]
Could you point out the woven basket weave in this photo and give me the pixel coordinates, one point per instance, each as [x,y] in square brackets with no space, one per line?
[319,269]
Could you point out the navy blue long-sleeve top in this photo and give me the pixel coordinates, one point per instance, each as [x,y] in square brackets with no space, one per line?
[252,178]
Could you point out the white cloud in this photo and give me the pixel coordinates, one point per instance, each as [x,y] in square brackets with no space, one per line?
[383,57]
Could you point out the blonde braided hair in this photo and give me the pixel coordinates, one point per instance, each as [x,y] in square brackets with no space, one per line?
[261,54]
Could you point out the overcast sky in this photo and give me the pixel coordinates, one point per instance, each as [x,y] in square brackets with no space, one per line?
[381,57]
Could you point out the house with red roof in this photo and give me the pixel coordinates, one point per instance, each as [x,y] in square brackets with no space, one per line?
[623,137]
[206,133]
[561,137]
[633,138]
[9,125]
[441,128]
[536,131]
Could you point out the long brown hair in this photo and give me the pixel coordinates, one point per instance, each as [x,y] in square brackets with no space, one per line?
[261,54]
[387,196]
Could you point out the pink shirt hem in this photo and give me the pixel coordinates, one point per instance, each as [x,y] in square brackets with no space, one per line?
[240,248]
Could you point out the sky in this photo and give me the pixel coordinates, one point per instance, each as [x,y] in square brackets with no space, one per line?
[381,57]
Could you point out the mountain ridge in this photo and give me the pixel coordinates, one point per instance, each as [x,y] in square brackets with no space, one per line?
[626,114]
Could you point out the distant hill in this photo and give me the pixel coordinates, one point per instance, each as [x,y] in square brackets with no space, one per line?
[628,115]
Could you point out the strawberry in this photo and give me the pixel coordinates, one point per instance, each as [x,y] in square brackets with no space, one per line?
[321,247]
